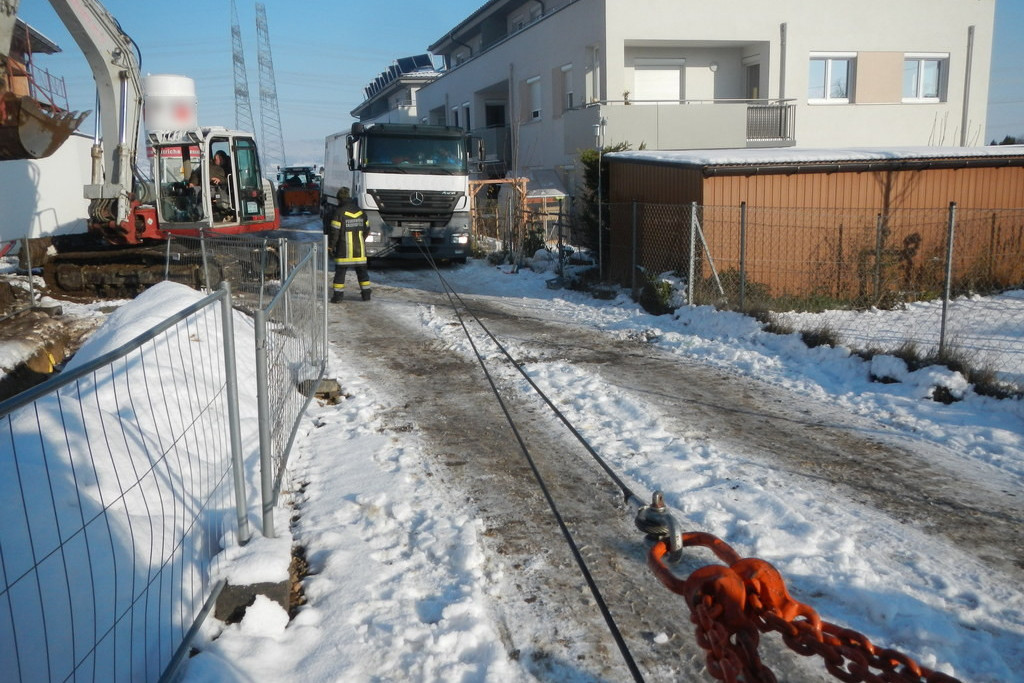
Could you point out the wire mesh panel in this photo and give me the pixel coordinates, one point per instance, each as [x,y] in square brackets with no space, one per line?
[117,488]
[291,354]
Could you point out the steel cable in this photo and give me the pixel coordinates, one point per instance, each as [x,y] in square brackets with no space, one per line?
[566,533]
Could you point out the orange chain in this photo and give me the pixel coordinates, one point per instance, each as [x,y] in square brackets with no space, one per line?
[732,605]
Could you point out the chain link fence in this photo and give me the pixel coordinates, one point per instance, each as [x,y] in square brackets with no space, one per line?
[944,277]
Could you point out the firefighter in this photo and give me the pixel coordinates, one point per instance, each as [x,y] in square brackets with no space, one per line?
[348,239]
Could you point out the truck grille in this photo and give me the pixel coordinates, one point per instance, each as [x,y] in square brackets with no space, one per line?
[405,205]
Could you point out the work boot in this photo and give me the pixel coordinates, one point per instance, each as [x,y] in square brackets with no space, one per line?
[365,294]
[338,297]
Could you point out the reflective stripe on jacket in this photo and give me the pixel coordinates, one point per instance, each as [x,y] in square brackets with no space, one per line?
[349,228]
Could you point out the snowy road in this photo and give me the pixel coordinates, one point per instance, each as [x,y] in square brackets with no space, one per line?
[408,343]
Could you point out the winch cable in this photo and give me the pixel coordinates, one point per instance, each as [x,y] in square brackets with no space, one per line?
[729,604]
[566,533]
[628,494]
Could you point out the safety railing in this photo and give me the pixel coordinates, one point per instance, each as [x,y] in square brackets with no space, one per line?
[828,269]
[121,477]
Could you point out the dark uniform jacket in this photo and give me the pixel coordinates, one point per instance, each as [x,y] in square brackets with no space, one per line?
[348,234]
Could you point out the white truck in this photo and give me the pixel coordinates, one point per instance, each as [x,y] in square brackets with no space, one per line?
[412,181]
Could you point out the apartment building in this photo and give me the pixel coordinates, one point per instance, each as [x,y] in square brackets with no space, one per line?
[542,80]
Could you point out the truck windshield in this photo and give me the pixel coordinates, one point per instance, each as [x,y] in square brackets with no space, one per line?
[407,154]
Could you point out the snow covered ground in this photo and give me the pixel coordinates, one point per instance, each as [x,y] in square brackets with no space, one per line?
[402,589]
[404,592]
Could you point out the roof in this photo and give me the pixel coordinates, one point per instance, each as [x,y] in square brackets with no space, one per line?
[543,183]
[26,37]
[464,24]
[799,160]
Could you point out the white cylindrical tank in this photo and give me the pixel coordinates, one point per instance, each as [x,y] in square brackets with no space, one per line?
[170,103]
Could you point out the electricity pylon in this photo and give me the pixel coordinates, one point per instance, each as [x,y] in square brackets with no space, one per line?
[243,107]
[272,143]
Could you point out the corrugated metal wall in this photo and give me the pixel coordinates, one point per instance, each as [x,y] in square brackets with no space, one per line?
[845,234]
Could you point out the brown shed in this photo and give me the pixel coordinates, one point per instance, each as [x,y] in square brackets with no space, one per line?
[844,223]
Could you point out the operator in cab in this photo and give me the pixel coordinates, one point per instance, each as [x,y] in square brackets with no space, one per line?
[219,170]
[348,242]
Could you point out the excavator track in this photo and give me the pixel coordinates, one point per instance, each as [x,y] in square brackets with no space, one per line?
[124,273]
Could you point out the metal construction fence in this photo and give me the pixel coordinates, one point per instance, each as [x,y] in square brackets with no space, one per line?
[120,479]
[937,273]
[282,283]
[291,358]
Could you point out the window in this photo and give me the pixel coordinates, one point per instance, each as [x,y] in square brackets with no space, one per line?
[753,75]
[829,78]
[657,80]
[923,77]
[534,86]
[568,99]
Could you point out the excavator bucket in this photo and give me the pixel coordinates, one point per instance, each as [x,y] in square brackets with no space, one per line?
[27,131]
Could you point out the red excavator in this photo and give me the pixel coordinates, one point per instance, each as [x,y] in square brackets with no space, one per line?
[181,196]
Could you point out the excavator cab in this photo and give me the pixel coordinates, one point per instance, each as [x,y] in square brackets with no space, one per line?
[192,193]
[190,190]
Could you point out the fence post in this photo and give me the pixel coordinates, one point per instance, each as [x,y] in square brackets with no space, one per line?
[743,255]
[325,259]
[234,423]
[264,418]
[690,284]
[947,286]
[206,262]
[31,279]
[283,276]
[561,249]
[878,257]
[167,258]
[635,265]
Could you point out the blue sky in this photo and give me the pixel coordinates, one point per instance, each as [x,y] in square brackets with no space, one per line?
[325,52]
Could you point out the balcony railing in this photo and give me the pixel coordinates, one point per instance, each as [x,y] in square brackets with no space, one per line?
[685,124]
[771,122]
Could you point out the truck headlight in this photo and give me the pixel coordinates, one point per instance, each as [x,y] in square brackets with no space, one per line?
[461,238]
[372,237]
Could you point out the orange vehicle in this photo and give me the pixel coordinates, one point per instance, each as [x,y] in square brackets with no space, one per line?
[298,190]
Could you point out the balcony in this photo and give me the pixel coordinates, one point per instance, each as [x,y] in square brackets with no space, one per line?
[687,124]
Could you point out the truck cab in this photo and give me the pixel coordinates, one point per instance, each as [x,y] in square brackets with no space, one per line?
[412,181]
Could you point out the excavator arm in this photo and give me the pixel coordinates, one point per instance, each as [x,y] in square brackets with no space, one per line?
[114,60]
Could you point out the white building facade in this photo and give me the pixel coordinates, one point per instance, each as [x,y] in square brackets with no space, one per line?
[541,81]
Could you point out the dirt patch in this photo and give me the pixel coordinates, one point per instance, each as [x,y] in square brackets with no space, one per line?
[44,339]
